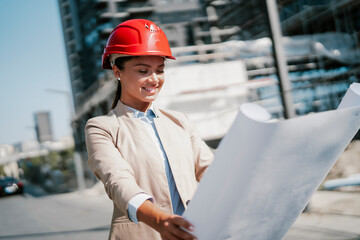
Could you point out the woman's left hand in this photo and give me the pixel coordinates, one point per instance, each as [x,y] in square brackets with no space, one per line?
[170,227]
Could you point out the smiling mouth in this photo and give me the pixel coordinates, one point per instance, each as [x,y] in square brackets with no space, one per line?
[150,90]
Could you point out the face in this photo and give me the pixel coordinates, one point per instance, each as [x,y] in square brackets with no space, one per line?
[141,81]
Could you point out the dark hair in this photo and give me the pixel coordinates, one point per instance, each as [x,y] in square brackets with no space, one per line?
[120,63]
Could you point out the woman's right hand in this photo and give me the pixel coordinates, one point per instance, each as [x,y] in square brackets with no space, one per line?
[170,227]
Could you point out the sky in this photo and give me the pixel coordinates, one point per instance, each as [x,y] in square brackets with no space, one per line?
[32,61]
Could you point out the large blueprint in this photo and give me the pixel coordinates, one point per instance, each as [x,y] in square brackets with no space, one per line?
[265,172]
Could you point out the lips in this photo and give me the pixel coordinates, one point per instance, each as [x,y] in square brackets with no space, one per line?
[150,89]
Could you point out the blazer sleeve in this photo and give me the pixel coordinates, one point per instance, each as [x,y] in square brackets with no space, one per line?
[202,153]
[108,165]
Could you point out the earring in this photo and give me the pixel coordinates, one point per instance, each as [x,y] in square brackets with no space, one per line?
[118,79]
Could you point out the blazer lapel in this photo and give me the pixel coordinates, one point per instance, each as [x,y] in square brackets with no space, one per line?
[171,142]
[139,136]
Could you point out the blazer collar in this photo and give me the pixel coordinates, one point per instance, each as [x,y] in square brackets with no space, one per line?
[123,110]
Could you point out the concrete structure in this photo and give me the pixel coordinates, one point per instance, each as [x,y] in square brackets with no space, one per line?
[321,65]
[86,27]
[298,18]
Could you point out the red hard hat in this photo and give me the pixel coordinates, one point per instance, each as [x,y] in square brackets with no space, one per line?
[136,37]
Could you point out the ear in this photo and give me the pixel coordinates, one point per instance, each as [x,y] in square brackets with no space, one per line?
[116,71]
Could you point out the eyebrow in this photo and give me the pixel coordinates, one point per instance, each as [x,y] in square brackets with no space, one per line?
[146,65]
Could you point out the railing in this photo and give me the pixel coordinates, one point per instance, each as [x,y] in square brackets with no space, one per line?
[259,62]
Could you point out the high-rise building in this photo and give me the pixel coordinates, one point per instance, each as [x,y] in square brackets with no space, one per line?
[86,27]
[298,17]
[331,29]
[88,23]
[43,127]
[321,38]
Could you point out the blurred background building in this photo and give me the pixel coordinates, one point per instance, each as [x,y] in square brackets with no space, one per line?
[45,161]
[43,127]
[224,56]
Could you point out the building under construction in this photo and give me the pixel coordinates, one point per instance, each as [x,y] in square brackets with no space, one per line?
[224,56]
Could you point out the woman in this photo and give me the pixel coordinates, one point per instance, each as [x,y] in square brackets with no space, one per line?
[148,159]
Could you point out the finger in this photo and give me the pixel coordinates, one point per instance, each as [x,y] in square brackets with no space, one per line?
[181,222]
[169,229]
[181,234]
[170,236]
[176,228]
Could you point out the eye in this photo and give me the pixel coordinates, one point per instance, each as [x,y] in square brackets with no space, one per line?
[143,71]
[160,71]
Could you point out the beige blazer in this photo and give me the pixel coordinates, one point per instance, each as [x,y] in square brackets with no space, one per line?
[124,157]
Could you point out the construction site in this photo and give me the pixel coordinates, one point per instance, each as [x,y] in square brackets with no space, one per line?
[225,56]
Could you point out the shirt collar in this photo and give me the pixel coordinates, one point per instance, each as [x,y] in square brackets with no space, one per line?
[138,114]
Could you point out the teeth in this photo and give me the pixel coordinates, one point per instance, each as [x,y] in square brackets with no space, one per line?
[149,89]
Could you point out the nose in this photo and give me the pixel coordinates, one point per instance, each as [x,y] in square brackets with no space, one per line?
[154,78]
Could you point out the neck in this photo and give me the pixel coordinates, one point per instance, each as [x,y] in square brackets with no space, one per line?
[142,107]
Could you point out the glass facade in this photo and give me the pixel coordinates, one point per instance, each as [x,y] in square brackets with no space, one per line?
[319,77]
[321,41]
[86,27]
